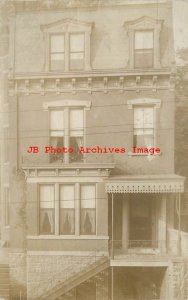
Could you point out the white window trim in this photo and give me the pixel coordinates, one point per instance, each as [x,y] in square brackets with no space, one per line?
[145,24]
[67,27]
[77,207]
[156,103]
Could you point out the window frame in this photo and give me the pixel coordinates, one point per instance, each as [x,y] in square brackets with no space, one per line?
[144,24]
[144,102]
[143,49]
[57,208]
[50,52]
[68,105]
[67,27]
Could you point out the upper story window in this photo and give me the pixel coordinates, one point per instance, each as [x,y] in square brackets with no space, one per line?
[67,45]
[67,122]
[143,49]
[144,121]
[143,126]
[67,130]
[144,42]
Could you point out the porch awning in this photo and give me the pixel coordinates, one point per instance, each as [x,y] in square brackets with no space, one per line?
[145,184]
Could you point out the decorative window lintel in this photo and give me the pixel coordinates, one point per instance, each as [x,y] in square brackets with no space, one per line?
[144,101]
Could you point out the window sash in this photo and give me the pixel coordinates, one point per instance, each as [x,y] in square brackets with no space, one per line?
[143,40]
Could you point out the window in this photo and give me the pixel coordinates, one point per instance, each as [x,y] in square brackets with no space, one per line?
[67,45]
[77,45]
[67,207]
[57,52]
[143,49]
[59,212]
[7,206]
[88,208]
[46,209]
[143,126]
[67,130]
[144,42]
[6,144]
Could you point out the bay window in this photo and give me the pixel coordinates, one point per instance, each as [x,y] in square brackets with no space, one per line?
[67,209]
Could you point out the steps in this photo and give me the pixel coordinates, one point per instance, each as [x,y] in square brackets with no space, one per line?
[4,281]
[76,279]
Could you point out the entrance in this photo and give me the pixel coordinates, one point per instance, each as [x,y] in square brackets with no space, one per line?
[140,220]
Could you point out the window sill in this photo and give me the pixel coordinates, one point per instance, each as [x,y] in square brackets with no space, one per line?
[67,237]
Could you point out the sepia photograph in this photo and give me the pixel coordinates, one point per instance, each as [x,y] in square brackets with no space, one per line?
[94,149]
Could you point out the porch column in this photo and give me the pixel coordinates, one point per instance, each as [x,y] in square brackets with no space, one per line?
[125,223]
[162,224]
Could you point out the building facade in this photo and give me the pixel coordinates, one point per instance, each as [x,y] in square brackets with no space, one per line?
[90,205]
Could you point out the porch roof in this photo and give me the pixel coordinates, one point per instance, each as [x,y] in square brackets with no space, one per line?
[166,183]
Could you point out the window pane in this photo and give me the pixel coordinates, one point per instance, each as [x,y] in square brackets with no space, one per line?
[57,43]
[148,117]
[88,209]
[67,214]
[144,140]
[57,61]
[57,122]
[56,142]
[76,122]
[76,64]
[76,143]
[77,43]
[143,58]
[143,39]
[67,196]
[143,117]
[46,209]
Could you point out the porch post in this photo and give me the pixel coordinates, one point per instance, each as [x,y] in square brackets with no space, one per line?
[125,224]
[112,254]
[179,223]
[112,283]
[162,225]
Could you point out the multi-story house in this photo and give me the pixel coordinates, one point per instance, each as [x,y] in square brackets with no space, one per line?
[93,214]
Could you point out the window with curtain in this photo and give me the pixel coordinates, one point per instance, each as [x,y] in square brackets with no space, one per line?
[57,133]
[57,52]
[76,133]
[143,127]
[88,209]
[143,49]
[47,199]
[67,209]
[77,45]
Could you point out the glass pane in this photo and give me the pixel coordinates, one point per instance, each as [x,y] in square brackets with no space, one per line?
[46,196]
[67,223]
[57,61]
[143,59]
[57,43]
[144,140]
[46,221]
[88,196]
[67,196]
[56,142]
[88,221]
[143,39]
[57,122]
[148,117]
[76,143]
[76,122]
[77,42]
[76,64]
[138,117]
